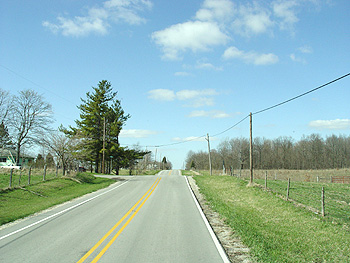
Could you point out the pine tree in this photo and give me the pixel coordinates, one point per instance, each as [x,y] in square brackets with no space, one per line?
[102,119]
[49,161]
[39,161]
[5,141]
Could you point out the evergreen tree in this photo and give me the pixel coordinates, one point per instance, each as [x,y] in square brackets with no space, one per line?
[193,165]
[129,158]
[102,119]
[5,141]
[39,161]
[50,161]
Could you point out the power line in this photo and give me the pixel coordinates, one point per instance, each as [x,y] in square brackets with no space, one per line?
[199,137]
[168,144]
[34,83]
[193,139]
[236,124]
[257,112]
[301,95]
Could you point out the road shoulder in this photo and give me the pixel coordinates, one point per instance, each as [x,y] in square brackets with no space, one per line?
[236,251]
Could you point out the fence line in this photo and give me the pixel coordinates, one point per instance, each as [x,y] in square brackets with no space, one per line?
[10,178]
[329,200]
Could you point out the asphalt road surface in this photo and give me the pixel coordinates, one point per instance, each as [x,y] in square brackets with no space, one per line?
[139,219]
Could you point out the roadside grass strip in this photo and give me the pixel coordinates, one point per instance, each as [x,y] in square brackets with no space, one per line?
[337,198]
[275,230]
[133,212]
[18,203]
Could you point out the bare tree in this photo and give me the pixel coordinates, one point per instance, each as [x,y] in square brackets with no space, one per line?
[30,116]
[5,103]
[311,152]
[62,146]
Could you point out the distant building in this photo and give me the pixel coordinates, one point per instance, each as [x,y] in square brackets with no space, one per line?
[8,158]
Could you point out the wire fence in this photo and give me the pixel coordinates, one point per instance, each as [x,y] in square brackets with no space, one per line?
[12,178]
[312,190]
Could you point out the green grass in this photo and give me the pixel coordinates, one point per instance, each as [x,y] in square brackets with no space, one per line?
[337,197]
[275,230]
[20,177]
[324,176]
[18,203]
[187,172]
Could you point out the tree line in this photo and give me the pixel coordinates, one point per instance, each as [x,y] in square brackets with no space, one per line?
[310,152]
[26,119]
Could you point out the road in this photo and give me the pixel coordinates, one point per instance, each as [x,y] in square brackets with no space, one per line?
[140,219]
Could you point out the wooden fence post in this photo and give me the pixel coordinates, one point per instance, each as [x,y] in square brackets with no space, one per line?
[44,176]
[322,202]
[20,175]
[288,188]
[56,170]
[11,172]
[265,179]
[29,172]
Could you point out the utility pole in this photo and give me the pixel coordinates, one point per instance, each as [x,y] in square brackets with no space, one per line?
[211,172]
[251,148]
[104,142]
[155,159]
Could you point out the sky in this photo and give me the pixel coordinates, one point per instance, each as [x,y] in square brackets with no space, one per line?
[184,69]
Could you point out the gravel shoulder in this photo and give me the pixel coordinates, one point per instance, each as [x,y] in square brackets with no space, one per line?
[236,251]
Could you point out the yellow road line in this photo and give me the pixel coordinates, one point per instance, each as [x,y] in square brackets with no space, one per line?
[115,226]
[170,172]
[123,227]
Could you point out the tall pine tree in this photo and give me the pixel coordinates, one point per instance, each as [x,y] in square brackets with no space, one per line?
[5,141]
[101,120]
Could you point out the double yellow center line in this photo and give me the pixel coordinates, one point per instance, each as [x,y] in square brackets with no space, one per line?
[143,199]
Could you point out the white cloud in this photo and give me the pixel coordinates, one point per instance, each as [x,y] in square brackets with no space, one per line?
[193,35]
[207,66]
[190,94]
[337,124]
[217,22]
[134,133]
[201,102]
[97,20]
[305,49]
[297,59]
[285,10]
[213,10]
[250,57]
[195,98]
[252,20]
[215,114]
[80,26]
[206,31]
[162,94]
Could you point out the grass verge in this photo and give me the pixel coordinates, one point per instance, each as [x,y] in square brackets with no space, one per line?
[275,230]
[337,197]
[188,172]
[18,203]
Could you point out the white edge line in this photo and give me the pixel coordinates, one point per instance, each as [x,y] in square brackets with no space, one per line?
[61,212]
[212,234]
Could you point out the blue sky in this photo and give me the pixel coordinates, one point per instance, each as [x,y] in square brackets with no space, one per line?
[183,69]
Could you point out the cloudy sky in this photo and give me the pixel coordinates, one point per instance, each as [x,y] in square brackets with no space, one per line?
[183,69]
